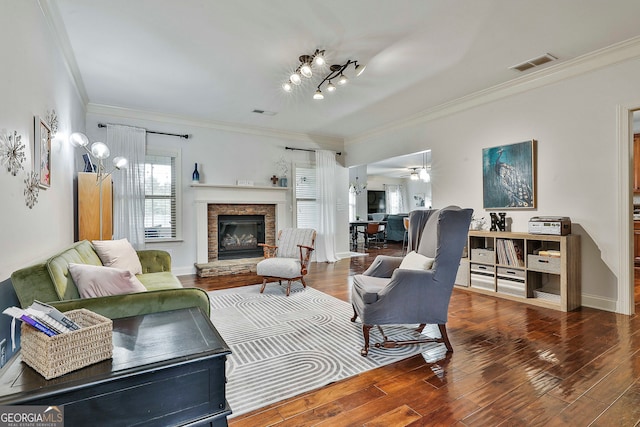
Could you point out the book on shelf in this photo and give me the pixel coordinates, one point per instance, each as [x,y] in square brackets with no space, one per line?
[44,318]
[510,252]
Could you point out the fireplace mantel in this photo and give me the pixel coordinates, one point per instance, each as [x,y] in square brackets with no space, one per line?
[206,194]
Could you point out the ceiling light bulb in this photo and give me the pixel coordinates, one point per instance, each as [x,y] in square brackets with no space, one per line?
[99,150]
[331,87]
[319,60]
[318,95]
[414,176]
[286,86]
[78,139]
[342,79]
[360,69]
[120,162]
[295,78]
[424,175]
[305,70]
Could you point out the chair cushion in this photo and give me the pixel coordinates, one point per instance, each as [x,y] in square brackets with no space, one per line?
[416,261]
[289,240]
[287,268]
[368,287]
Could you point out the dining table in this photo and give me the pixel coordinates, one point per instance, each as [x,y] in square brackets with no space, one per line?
[353,230]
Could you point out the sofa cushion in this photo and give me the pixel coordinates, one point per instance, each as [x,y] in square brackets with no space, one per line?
[160,280]
[58,267]
[118,254]
[99,281]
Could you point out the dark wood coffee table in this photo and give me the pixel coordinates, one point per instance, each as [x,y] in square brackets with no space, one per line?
[167,369]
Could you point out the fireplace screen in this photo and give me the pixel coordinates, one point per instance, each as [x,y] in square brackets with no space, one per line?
[239,236]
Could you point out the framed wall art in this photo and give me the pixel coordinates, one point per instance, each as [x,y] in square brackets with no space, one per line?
[509,176]
[42,152]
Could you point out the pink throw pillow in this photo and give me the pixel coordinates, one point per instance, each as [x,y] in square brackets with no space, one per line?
[98,281]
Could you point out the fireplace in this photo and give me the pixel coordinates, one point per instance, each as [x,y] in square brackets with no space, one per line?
[239,236]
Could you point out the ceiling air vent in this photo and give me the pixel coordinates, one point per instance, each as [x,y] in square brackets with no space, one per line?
[265,112]
[534,62]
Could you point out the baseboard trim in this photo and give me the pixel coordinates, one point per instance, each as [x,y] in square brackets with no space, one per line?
[599,303]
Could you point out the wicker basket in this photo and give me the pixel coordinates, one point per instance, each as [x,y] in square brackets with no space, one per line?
[54,356]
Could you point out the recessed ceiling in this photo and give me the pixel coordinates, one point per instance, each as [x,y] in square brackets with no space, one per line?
[220,60]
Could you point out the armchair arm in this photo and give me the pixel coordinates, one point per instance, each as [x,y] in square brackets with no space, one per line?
[268,250]
[304,259]
[383,266]
[408,286]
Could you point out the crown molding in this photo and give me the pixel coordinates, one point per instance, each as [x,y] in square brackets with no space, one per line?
[129,113]
[54,20]
[616,53]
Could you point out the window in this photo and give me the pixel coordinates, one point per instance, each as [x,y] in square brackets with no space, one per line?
[161,196]
[306,206]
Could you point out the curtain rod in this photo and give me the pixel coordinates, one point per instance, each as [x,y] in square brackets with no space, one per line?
[185,136]
[305,149]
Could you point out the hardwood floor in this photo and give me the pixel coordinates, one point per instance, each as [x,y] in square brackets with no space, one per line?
[513,365]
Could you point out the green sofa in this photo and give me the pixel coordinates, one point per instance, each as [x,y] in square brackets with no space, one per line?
[51,282]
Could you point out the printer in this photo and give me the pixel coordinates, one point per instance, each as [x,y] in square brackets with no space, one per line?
[555,225]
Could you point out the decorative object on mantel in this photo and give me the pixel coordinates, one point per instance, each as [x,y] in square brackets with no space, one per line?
[42,152]
[508,176]
[317,60]
[274,180]
[52,121]
[357,188]
[195,176]
[283,169]
[12,151]
[32,189]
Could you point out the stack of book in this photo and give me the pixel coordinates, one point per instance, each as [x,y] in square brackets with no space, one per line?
[44,318]
[510,252]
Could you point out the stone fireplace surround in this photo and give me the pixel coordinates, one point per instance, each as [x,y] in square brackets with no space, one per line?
[213,200]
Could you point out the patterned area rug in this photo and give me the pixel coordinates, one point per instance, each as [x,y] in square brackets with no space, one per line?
[284,346]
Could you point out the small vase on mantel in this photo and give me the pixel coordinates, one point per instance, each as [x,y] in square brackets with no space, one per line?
[195,177]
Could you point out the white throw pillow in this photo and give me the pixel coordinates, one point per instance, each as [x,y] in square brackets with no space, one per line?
[118,254]
[416,261]
[98,281]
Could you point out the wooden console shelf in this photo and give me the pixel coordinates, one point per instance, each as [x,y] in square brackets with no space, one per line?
[542,270]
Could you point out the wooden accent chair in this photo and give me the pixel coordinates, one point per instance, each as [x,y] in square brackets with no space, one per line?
[289,258]
[386,294]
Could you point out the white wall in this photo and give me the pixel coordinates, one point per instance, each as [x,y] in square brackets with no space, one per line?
[574,122]
[223,156]
[34,79]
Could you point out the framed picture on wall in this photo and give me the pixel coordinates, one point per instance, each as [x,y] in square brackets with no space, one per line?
[42,152]
[509,176]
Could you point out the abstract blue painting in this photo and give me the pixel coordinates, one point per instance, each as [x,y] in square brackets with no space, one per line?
[508,176]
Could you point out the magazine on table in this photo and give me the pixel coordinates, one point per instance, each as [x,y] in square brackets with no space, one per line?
[44,318]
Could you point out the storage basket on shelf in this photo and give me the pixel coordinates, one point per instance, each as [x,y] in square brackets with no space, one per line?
[57,355]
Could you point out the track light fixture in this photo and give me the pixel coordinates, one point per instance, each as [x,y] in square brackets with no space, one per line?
[306,69]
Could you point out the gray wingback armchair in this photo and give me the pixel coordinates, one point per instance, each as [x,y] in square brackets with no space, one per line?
[385,294]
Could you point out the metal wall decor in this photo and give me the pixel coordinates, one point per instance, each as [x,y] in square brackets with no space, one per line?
[32,189]
[52,121]
[12,151]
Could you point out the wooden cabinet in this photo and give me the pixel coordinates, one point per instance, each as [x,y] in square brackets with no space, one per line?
[89,207]
[542,270]
[636,163]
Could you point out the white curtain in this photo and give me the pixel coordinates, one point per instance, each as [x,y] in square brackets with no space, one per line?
[326,199]
[395,198]
[128,184]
